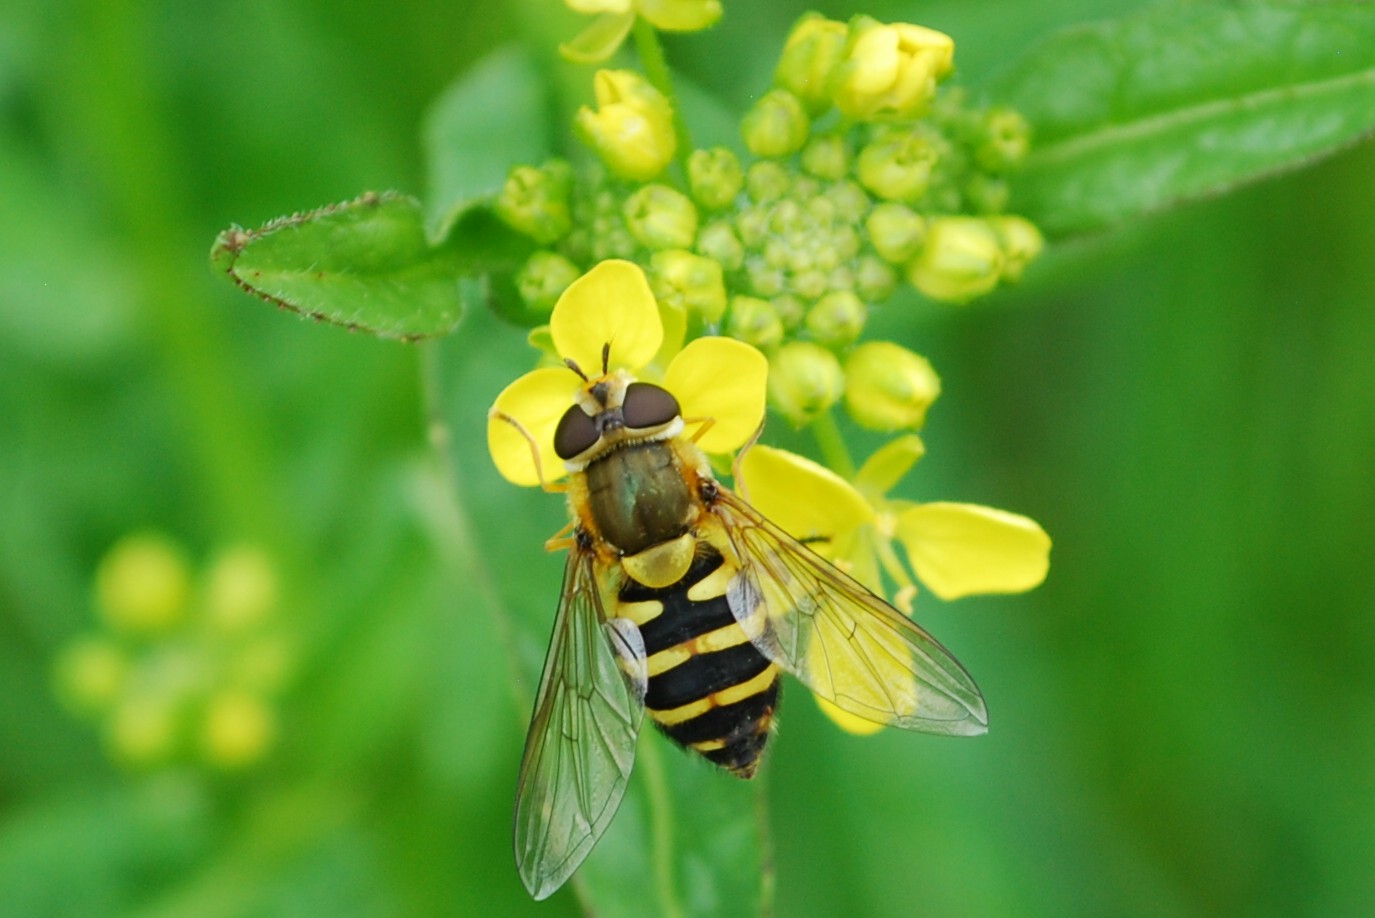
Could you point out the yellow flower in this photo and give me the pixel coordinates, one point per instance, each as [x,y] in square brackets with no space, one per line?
[615,17]
[955,549]
[718,378]
[890,71]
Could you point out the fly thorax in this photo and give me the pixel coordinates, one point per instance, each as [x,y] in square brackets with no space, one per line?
[638,496]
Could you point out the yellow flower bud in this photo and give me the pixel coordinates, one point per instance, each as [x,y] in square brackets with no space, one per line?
[239,728]
[775,126]
[754,321]
[242,589]
[962,259]
[814,48]
[90,673]
[690,282]
[632,128]
[895,231]
[887,387]
[837,318]
[890,71]
[534,201]
[715,177]
[898,166]
[674,15]
[1021,242]
[660,218]
[542,280]
[142,584]
[805,379]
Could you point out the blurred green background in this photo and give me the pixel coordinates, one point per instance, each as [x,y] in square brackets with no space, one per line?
[1183,715]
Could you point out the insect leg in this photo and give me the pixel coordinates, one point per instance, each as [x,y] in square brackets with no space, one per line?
[552,487]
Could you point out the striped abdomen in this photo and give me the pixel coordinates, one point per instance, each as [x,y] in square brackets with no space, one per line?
[710,690]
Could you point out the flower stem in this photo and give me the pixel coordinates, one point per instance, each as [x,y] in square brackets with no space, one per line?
[651,764]
[454,529]
[656,69]
[833,450]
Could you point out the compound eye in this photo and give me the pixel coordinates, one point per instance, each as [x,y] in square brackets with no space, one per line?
[575,434]
[646,405]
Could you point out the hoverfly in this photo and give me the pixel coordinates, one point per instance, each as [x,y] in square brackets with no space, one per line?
[680,599]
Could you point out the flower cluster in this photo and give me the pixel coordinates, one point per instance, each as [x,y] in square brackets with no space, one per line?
[858,175]
[733,278]
[183,669]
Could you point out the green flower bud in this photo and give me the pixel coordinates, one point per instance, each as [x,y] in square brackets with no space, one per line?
[887,387]
[767,182]
[143,730]
[809,283]
[632,129]
[661,218]
[986,194]
[790,309]
[775,126]
[805,379]
[890,71]
[875,279]
[90,673]
[143,585]
[690,282]
[837,318]
[717,240]
[764,279]
[1021,242]
[715,177]
[752,223]
[850,201]
[895,231]
[897,167]
[814,48]
[962,259]
[542,280]
[754,321]
[826,157]
[534,201]
[1005,138]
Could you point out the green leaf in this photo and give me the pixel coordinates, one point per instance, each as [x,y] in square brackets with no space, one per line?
[490,119]
[364,264]
[1184,101]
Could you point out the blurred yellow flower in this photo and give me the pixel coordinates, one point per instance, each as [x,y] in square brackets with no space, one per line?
[614,19]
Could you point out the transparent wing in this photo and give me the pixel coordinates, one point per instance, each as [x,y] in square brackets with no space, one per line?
[846,644]
[581,744]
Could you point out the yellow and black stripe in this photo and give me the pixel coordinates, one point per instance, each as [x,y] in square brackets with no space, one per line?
[710,690]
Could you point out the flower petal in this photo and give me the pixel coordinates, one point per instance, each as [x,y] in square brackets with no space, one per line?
[537,401]
[680,15]
[611,303]
[722,379]
[885,468]
[601,38]
[962,549]
[806,499]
